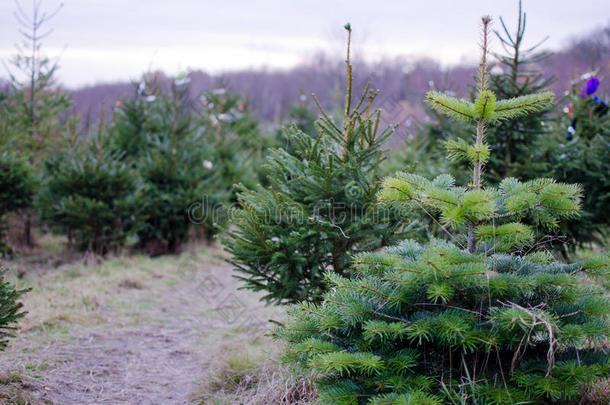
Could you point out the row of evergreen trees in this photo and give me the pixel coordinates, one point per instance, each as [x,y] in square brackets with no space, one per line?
[157,169]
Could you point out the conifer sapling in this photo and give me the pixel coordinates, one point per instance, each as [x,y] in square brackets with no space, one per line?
[320,206]
[485,317]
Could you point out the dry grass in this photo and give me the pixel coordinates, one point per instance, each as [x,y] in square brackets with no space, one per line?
[239,378]
[133,330]
[598,394]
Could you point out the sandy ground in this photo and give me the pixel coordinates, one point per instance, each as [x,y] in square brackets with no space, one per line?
[130,331]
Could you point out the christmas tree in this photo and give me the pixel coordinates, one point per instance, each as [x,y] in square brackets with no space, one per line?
[36,102]
[156,133]
[36,108]
[320,206]
[578,150]
[88,195]
[485,317]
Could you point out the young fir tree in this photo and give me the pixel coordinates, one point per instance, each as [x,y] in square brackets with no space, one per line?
[480,319]
[37,108]
[156,134]
[578,150]
[36,100]
[319,208]
[88,195]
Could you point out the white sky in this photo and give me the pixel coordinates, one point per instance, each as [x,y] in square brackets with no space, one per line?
[107,40]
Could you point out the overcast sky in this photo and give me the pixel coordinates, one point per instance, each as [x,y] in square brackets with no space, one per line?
[107,40]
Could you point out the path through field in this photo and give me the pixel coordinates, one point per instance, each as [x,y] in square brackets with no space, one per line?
[131,330]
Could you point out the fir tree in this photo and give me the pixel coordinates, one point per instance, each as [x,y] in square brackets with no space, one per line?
[36,102]
[578,150]
[88,195]
[157,134]
[36,106]
[319,208]
[483,318]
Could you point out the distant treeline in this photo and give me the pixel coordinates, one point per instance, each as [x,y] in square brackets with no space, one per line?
[270,93]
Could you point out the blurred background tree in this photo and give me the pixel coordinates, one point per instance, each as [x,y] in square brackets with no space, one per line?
[36,106]
[578,150]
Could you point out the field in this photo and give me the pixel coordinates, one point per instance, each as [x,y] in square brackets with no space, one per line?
[139,330]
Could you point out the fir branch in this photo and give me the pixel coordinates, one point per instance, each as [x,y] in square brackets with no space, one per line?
[459,109]
[521,106]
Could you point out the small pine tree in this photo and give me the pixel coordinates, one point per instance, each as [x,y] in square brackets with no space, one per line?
[484,318]
[17,187]
[10,309]
[174,180]
[37,108]
[36,102]
[578,150]
[319,208]
[88,195]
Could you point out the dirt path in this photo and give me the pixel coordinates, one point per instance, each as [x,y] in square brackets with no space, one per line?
[143,331]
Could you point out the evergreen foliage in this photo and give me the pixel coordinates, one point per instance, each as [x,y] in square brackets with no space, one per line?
[578,150]
[174,182]
[304,120]
[156,133]
[233,138]
[483,318]
[17,187]
[88,195]
[36,109]
[152,113]
[131,125]
[10,309]
[319,208]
